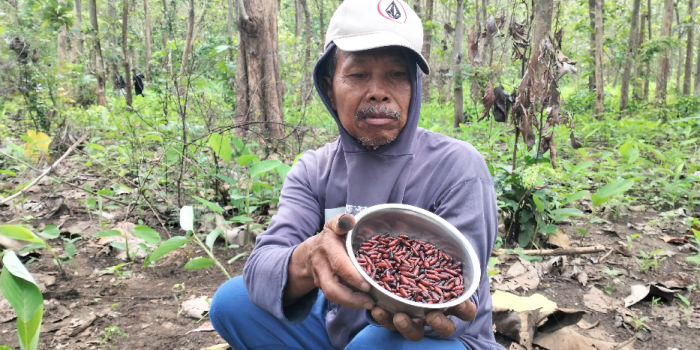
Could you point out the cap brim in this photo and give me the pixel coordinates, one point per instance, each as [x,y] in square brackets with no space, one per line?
[376,40]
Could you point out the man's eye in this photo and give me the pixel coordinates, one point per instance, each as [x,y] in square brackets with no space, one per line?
[358,75]
[398,74]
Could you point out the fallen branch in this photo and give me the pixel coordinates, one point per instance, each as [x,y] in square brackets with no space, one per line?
[552,252]
[48,170]
[84,326]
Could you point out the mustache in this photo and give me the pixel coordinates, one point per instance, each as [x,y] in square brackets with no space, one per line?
[377,111]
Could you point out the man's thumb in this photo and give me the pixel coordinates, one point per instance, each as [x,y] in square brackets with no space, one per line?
[341,223]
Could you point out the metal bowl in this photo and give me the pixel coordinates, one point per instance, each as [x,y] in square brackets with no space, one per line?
[415,223]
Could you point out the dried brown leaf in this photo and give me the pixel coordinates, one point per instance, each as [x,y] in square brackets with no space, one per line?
[488,100]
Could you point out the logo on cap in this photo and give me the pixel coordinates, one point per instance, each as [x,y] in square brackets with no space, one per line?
[392,10]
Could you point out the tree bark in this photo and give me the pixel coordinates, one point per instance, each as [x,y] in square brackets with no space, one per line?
[259,88]
[689,49]
[147,12]
[114,42]
[599,84]
[638,91]
[322,24]
[647,76]
[591,52]
[62,42]
[631,55]
[457,66]
[99,63]
[125,51]
[679,56]
[427,38]
[166,30]
[696,90]
[305,91]
[192,31]
[663,66]
[79,40]
[298,19]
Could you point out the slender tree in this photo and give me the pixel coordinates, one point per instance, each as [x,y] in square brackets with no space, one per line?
[427,38]
[599,84]
[591,51]
[321,22]
[689,49]
[457,65]
[638,93]
[62,42]
[663,66]
[79,40]
[125,50]
[114,42]
[259,87]
[631,53]
[147,13]
[305,94]
[647,76]
[99,63]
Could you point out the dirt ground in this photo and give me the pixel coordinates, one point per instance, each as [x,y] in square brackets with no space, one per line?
[146,302]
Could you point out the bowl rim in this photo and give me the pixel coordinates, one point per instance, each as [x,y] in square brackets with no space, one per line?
[470,250]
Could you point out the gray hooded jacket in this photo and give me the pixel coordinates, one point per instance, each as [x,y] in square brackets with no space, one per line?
[424,169]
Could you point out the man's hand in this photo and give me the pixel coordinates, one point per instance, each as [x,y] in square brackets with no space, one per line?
[322,261]
[412,329]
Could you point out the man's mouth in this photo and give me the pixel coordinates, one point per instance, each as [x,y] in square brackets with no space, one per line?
[377,115]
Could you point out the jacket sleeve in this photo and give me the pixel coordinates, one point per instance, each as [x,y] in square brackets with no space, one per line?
[265,272]
[471,207]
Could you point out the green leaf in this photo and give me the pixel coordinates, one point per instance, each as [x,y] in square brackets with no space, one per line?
[568,212]
[221,48]
[147,234]
[21,292]
[31,246]
[29,330]
[106,193]
[263,167]
[221,145]
[230,180]
[118,245]
[50,232]
[199,263]
[529,257]
[240,218]
[107,233]
[548,229]
[574,197]
[247,158]
[282,171]
[96,146]
[213,206]
[237,143]
[19,233]
[582,166]
[167,247]
[212,236]
[237,257]
[598,200]
[614,188]
[538,203]
[8,172]
[69,248]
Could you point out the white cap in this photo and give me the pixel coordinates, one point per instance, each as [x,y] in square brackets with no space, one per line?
[359,25]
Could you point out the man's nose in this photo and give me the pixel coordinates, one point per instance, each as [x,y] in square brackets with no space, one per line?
[378,90]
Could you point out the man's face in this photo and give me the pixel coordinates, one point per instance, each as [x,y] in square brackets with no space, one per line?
[371,92]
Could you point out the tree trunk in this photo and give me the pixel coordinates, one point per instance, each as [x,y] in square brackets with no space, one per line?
[147,12]
[679,56]
[321,22]
[114,43]
[427,38]
[663,66]
[457,65]
[599,84]
[298,19]
[631,54]
[259,88]
[62,41]
[647,76]
[689,49]
[192,30]
[638,90]
[305,91]
[125,51]
[696,90]
[99,63]
[79,40]
[166,30]
[591,52]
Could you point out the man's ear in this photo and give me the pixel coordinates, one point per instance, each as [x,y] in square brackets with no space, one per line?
[328,86]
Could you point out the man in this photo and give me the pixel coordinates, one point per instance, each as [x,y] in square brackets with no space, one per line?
[138,81]
[120,84]
[299,289]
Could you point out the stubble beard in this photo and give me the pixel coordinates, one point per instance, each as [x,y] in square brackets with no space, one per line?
[377,141]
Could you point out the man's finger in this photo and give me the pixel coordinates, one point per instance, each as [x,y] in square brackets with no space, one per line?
[410,329]
[465,311]
[341,224]
[440,323]
[342,295]
[342,266]
[383,318]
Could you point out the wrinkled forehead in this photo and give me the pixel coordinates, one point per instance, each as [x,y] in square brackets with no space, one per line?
[392,54]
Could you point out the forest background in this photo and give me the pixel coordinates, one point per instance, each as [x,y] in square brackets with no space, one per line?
[585,111]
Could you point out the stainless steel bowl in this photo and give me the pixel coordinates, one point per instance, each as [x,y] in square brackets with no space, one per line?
[415,223]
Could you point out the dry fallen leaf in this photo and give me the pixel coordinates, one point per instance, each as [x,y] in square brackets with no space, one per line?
[196,308]
[521,275]
[639,292]
[596,300]
[205,327]
[568,339]
[559,239]
[586,326]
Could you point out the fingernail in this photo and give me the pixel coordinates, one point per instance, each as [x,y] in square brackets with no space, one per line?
[365,286]
[402,323]
[369,306]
